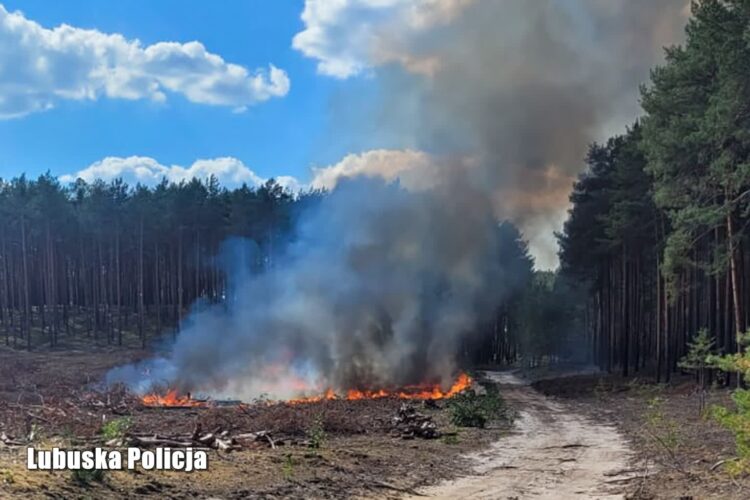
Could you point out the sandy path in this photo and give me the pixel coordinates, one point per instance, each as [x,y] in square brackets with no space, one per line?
[553,453]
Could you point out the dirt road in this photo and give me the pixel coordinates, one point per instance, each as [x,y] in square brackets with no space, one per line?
[553,453]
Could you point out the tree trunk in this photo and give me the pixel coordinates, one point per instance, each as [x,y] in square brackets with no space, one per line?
[26,304]
[118,284]
[735,283]
[140,285]
[178,318]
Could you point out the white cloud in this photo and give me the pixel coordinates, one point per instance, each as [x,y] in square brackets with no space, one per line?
[412,168]
[41,66]
[145,170]
[291,183]
[349,36]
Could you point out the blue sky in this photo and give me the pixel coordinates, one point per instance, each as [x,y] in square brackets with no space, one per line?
[281,136]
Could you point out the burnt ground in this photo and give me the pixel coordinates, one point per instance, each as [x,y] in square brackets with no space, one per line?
[52,399]
[678,453]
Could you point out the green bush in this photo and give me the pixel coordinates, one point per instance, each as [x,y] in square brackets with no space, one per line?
[664,430]
[737,420]
[316,434]
[696,360]
[116,428]
[469,409]
[7,477]
[287,468]
[85,477]
[450,439]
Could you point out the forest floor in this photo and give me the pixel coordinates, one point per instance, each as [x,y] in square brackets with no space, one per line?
[579,436]
[49,398]
[676,452]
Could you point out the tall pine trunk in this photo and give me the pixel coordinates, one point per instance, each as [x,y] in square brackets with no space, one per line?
[737,303]
[26,302]
[141,318]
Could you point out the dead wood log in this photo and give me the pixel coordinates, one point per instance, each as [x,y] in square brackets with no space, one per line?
[37,417]
[408,423]
[219,440]
[223,445]
[249,435]
[9,441]
[410,491]
[159,441]
[208,439]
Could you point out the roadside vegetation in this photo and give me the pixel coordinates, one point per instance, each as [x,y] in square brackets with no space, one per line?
[472,409]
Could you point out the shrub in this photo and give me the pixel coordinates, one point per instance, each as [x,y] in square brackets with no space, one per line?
[738,420]
[697,361]
[85,477]
[116,428]
[316,433]
[469,409]
[287,468]
[664,430]
[450,438]
[7,477]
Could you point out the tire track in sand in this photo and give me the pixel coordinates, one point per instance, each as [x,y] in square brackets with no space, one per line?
[552,453]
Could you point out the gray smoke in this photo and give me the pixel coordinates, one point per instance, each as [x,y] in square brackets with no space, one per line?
[521,86]
[381,284]
[376,290]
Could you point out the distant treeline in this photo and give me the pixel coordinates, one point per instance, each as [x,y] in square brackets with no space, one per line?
[658,231]
[108,263]
[105,257]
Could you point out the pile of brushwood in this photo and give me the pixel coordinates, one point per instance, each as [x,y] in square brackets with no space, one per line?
[409,423]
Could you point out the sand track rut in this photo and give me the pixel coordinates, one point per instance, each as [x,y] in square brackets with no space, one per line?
[552,453]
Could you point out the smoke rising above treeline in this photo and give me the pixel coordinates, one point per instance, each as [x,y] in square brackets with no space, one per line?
[376,288]
[520,87]
[380,282]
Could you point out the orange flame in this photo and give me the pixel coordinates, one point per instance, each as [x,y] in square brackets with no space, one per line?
[462,383]
[170,399]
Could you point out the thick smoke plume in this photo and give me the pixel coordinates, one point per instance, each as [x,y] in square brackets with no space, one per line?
[520,86]
[380,283]
[376,290]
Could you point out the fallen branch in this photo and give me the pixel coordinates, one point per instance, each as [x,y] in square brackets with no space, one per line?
[8,441]
[158,441]
[219,440]
[37,417]
[387,486]
[226,445]
[565,446]
[270,441]
[620,472]
[717,465]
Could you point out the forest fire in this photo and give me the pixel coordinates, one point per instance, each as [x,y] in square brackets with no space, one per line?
[172,399]
[433,391]
[422,391]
